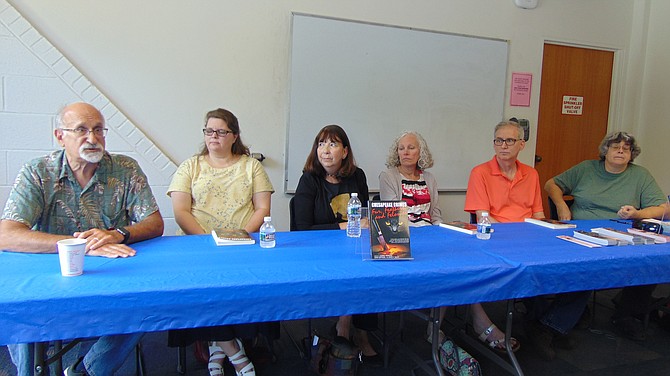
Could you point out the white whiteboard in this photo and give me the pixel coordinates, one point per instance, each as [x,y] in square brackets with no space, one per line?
[375,81]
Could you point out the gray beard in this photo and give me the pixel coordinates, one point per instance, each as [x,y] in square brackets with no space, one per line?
[91,157]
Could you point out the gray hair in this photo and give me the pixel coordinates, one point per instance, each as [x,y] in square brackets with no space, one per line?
[615,138]
[509,123]
[425,157]
[59,116]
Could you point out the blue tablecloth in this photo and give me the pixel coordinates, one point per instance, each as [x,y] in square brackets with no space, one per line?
[179,282]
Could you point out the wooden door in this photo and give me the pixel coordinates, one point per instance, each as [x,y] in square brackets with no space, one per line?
[563,140]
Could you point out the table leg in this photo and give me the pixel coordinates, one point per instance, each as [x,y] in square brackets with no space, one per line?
[435,319]
[38,357]
[508,335]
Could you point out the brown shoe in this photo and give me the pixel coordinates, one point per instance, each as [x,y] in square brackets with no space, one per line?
[540,338]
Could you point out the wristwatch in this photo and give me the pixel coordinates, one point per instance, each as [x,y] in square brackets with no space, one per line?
[126,234]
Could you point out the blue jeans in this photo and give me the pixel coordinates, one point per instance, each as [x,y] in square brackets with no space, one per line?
[103,356]
[560,313]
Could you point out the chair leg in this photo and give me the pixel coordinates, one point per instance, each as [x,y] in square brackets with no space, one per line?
[58,364]
[139,361]
[593,309]
[181,360]
[299,346]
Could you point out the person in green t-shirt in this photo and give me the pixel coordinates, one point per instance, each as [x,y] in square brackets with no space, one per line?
[613,187]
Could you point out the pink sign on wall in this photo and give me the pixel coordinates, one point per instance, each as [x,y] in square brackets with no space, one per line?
[521,84]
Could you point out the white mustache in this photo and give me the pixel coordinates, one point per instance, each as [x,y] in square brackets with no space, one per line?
[89,145]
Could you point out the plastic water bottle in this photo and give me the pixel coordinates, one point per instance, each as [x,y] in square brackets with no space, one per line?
[354,216]
[484,227]
[267,233]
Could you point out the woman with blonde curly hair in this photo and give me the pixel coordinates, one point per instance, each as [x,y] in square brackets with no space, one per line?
[407,180]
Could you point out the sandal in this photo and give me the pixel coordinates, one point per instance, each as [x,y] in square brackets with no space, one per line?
[240,357]
[216,354]
[495,344]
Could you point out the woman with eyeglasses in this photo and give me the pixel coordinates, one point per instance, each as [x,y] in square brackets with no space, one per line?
[221,187]
[613,187]
[609,187]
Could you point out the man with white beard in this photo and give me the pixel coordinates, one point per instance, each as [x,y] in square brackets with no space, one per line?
[80,191]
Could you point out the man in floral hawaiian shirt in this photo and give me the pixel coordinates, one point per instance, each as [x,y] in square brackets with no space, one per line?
[81,191]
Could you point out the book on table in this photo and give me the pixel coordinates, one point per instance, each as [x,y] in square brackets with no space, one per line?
[460,226]
[622,235]
[595,237]
[550,223]
[225,236]
[389,230]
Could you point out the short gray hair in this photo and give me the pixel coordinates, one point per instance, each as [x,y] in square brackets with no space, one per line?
[615,138]
[425,157]
[59,116]
[509,123]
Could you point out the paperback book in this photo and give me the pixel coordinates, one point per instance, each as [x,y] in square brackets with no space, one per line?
[389,231]
[224,236]
[464,227]
[550,223]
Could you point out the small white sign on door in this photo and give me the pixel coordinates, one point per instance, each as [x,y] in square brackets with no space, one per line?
[572,105]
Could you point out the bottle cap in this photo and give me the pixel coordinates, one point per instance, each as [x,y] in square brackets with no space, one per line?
[267,219]
[485,214]
[354,194]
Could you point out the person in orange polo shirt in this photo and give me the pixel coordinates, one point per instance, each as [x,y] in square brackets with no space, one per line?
[506,188]
[510,191]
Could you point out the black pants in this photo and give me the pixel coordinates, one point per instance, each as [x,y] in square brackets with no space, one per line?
[634,301]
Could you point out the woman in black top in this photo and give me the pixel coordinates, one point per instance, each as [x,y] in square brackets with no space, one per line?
[329,177]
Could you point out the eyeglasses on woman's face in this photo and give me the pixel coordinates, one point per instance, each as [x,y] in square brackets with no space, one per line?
[220,132]
[620,146]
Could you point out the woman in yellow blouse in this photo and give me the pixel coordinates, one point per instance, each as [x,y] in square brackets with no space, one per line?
[221,187]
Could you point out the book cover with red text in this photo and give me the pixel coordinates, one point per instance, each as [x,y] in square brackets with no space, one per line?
[389,230]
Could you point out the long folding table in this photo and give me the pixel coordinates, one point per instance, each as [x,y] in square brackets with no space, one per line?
[182,282]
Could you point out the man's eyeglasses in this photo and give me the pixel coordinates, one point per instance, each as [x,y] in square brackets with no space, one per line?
[508,141]
[220,132]
[83,132]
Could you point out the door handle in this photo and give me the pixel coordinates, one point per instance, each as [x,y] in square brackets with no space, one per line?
[538,158]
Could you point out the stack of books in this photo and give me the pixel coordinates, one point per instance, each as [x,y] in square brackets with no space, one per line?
[626,237]
[596,238]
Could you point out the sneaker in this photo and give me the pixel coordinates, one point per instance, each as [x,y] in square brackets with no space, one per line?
[630,328]
[540,338]
[71,370]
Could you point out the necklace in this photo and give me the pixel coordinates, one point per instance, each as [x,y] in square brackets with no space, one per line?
[331,175]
